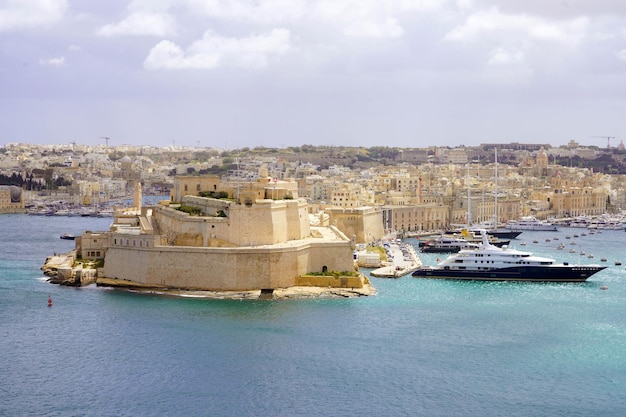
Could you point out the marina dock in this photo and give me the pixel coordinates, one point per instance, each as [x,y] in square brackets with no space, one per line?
[403,261]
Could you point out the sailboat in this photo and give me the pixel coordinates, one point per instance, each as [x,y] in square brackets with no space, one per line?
[499,236]
[492,227]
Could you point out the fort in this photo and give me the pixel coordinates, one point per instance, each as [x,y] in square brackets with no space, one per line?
[202,244]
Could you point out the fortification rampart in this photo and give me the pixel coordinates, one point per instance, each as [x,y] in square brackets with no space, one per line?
[232,269]
[266,222]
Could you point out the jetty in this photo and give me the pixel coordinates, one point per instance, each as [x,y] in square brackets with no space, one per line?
[403,260]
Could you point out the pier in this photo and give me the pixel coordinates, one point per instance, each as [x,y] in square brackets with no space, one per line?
[403,261]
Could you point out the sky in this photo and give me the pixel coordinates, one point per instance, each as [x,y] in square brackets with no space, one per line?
[279,73]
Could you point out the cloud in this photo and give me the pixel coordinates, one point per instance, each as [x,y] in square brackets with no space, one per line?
[141,24]
[368,29]
[212,51]
[621,55]
[353,18]
[21,14]
[258,11]
[503,56]
[488,23]
[368,18]
[52,62]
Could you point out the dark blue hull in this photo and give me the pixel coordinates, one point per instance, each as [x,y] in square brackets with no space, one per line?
[559,273]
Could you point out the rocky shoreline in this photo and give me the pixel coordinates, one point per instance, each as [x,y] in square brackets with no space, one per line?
[63,270]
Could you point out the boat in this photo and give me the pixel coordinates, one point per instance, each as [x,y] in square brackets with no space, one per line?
[531,223]
[606,224]
[491,263]
[473,235]
[495,230]
[494,227]
[580,222]
[67,236]
[447,245]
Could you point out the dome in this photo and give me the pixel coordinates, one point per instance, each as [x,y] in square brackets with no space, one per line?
[126,159]
[16,194]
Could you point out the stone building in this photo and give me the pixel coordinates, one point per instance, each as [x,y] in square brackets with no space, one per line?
[226,246]
[11,199]
[362,224]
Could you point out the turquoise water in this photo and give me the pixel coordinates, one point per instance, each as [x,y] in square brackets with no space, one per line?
[419,348]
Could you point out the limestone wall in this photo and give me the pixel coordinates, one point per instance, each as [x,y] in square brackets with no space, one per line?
[363,224]
[266,222]
[222,269]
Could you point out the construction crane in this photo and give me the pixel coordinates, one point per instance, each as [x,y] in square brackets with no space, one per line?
[608,140]
[106,138]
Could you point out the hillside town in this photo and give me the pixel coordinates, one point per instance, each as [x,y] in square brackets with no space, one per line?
[413,190]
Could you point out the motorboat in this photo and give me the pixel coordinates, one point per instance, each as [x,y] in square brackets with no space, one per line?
[581,222]
[531,223]
[445,244]
[606,224]
[492,263]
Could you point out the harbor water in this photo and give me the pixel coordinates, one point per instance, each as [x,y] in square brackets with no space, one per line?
[420,347]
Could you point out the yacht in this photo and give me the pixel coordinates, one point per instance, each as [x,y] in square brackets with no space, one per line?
[581,222]
[531,223]
[606,223]
[447,245]
[491,263]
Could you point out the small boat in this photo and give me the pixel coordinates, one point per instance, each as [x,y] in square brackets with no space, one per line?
[67,236]
[492,263]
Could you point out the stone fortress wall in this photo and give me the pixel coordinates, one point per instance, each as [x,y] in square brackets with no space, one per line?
[266,245]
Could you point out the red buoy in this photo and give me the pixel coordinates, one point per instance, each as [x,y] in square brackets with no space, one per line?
[49,301]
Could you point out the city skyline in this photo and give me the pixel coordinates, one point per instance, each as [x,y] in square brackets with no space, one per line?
[233,74]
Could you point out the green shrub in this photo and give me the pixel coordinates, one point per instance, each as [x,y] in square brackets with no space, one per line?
[191,210]
[335,274]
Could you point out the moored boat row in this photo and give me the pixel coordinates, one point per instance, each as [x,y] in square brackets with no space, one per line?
[71,212]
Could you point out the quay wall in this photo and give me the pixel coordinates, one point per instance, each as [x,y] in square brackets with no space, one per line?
[226,269]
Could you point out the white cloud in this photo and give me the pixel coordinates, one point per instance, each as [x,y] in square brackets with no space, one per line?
[20,14]
[493,22]
[52,62]
[260,11]
[212,51]
[368,18]
[502,56]
[389,28]
[621,55]
[141,24]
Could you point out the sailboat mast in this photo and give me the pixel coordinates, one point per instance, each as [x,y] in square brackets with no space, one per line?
[469,218]
[495,226]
